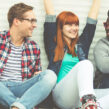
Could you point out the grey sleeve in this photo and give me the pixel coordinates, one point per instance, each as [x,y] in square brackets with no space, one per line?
[101,56]
[50,18]
[91,21]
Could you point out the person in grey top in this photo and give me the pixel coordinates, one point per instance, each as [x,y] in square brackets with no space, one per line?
[101,55]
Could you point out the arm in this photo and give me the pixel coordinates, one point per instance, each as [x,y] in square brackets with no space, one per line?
[37,61]
[94,10]
[49,28]
[49,7]
[49,34]
[101,56]
[89,30]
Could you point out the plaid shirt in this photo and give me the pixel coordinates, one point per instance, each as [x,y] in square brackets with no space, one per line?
[30,55]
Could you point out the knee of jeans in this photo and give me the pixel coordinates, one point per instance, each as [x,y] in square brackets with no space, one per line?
[51,77]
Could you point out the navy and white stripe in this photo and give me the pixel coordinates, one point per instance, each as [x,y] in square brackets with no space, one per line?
[12,70]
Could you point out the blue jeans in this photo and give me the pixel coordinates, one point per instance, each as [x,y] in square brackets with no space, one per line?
[27,94]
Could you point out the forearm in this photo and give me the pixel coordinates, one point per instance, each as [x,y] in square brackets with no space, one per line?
[94,10]
[49,7]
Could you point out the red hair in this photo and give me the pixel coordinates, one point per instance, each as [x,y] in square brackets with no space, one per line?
[63,18]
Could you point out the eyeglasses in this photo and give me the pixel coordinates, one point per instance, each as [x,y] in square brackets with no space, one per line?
[30,20]
[106,24]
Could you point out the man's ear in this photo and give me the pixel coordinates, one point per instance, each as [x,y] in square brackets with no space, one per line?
[16,21]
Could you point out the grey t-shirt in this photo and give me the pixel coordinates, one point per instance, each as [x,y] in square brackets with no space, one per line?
[101,55]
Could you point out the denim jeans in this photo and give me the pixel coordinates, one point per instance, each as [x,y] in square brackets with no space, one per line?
[27,94]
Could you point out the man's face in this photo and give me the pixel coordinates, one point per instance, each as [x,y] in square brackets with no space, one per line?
[27,25]
[106,25]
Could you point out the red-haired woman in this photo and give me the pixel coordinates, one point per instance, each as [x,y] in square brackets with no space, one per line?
[67,54]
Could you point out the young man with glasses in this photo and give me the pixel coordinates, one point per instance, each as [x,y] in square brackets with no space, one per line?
[101,55]
[23,84]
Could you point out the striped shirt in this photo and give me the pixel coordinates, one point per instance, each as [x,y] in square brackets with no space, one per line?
[30,60]
[12,69]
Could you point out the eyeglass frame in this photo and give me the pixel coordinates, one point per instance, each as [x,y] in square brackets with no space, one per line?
[29,20]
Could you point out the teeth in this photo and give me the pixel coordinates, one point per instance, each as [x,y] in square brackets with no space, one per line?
[73,32]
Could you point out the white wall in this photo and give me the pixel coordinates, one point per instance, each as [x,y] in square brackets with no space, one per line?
[80,7]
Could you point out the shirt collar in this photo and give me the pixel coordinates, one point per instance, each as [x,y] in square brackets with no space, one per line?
[8,38]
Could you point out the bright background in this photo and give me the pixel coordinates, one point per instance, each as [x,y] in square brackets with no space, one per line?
[79,7]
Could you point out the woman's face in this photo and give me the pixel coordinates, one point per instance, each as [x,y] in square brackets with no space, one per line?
[70,31]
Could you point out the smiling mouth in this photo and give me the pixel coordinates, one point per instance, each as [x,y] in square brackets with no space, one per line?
[72,32]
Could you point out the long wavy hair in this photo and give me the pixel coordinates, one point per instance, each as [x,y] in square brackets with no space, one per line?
[65,17]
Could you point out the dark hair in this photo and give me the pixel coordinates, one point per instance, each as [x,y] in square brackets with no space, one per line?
[108,13]
[17,11]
